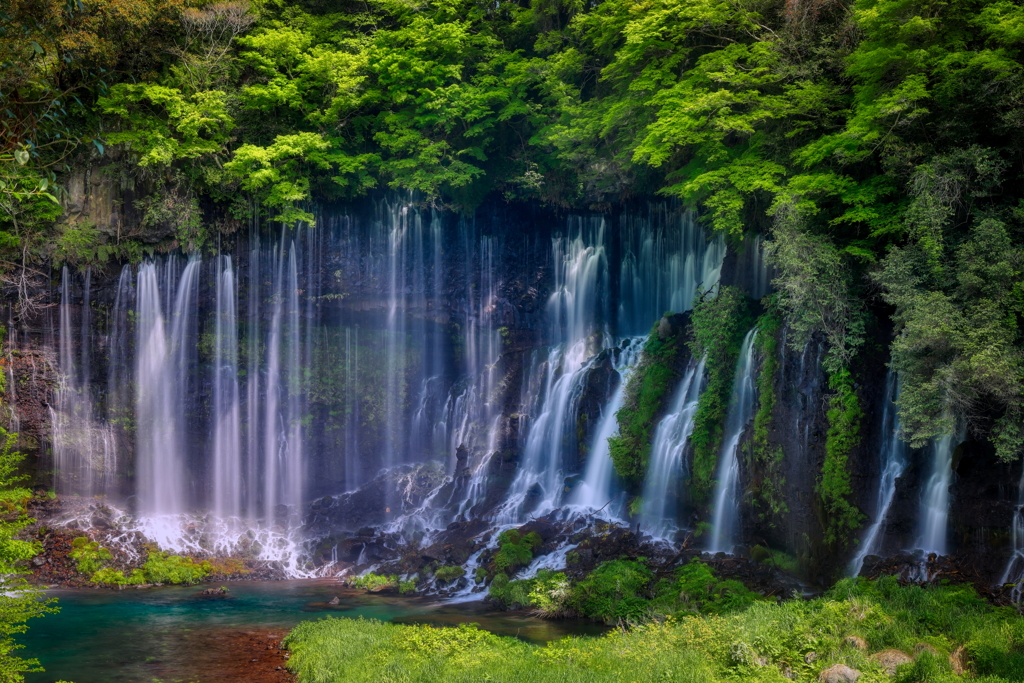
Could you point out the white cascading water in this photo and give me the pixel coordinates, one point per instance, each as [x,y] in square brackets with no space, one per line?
[934,511]
[415,337]
[165,336]
[227,411]
[581,274]
[85,456]
[283,457]
[597,489]
[473,416]
[1014,571]
[666,257]
[725,512]
[893,457]
[667,470]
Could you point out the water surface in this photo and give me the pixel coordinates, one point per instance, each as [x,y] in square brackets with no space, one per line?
[172,633]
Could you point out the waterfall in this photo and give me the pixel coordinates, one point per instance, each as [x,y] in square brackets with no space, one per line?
[353,474]
[227,446]
[84,455]
[666,257]
[581,275]
[893,457]
[1014,571]
[283,466]
[595,492]
[667,467]
[934,511]
[472,416]
[120,400]
[161,376]
[372,342]
[741,409]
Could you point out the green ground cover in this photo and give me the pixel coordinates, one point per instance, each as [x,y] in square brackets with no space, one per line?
[941,630]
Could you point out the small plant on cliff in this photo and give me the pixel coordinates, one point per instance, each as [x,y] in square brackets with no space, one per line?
[89,555]
[515,550]
[844,417]
[719,324]
[655,375]
[768,461]
[449,573]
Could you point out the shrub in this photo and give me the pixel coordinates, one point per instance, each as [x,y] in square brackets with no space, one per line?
[375,582]
[695,588]
[515,550]
[89,555]
[616,590]
[449,573]
[510,594]
[116,577]
[161,567]
[548,593]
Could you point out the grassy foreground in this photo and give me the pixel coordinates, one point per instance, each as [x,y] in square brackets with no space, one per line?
[944,630]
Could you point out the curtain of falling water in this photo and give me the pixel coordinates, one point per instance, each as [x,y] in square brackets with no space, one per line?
[162,355]
[227,446]
[741,410]
[667,467]
[893,461]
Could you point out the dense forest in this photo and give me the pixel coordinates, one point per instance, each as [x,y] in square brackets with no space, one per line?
[877,144]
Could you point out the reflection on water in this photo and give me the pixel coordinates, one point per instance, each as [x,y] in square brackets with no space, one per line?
[171,634]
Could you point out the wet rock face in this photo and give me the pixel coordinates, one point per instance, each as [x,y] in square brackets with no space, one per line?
[385,497]
[984,497]
[600,383]
[798,428]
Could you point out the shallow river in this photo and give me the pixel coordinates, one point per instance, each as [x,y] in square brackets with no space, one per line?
[173,633]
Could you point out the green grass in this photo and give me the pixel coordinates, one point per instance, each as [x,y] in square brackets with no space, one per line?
[758,641]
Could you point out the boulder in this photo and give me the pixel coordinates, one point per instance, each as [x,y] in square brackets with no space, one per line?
[959,662]
[855,642]
[890,659]
[839,673]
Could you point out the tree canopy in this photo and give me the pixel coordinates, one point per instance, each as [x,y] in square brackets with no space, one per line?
[878,144]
